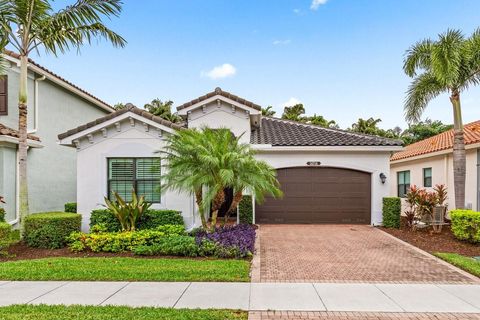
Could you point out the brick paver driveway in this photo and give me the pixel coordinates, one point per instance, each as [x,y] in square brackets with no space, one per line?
[340,253]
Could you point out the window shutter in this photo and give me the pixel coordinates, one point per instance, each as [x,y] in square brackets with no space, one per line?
[148,178]
[4,95]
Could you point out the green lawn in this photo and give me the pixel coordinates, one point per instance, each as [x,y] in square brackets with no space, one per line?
[125,269]
[42,312]
[466,263]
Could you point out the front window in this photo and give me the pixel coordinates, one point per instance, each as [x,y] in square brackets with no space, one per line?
[427,177]
[139,174]
[403,183]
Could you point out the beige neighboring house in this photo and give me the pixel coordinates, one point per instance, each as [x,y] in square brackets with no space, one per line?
[430,162]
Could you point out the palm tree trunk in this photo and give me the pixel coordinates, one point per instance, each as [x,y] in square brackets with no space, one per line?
[199,199]
[459,158]
[236,200]
[22,141]
[216,204]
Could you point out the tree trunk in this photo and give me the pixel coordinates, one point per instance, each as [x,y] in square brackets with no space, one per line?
[216,204]
[22,141]
[199,199]
[237,197]
[459,159]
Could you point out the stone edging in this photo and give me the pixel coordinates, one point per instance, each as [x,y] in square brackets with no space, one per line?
[255,264]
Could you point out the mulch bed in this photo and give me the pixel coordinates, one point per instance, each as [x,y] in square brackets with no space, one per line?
[431,242]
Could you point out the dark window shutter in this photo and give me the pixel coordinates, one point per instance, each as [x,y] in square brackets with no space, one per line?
[4,95]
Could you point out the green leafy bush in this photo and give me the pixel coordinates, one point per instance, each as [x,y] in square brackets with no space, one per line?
[5,236]
[71,207]
[149,220]
[466,225]
[2,215]
[245,210]
[121,241]
[392,208]
[171,246]
[50,229]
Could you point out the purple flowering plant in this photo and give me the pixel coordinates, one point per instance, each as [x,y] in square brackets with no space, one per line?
[239,237]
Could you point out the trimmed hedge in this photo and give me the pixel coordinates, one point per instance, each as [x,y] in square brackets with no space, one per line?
[245,210]
[151,219]
[71,207]
[466,225]
[2,215]
[5,236]
[50,229]
[392,208]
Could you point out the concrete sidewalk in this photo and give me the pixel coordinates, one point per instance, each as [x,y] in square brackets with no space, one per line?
[250,296]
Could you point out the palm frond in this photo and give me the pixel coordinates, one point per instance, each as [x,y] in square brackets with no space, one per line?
[418,57]
[422,90]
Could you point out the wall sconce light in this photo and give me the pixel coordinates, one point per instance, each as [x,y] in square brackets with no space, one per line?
[313,163]
[383,177]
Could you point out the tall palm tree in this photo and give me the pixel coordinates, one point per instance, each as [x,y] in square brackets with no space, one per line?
[294,112]
[448,65]
[207,161]
[33,24]
[321,121]
[163,109]
[368,126]
[268,111]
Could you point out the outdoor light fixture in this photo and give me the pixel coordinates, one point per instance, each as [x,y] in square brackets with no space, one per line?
[313,163]
[383,177]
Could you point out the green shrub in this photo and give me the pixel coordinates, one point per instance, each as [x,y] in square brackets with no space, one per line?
[466,225]
[245,210]
[49,230]
[171,246]
[71,207]
[149,220]
[2,215]
[392,208]
[121,241]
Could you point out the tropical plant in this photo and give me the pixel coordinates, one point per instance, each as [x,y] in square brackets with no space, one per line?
[163,109]
[423,130]
[368,126]
[119,106]
[294,112]
[450,65]
[128,213]
[29,25]
[208,161]
[268,111]
[321,121]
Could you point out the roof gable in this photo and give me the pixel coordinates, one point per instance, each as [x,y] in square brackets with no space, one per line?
[440,142]
[279,132]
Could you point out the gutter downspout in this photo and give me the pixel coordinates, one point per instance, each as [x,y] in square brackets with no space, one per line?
[36,104]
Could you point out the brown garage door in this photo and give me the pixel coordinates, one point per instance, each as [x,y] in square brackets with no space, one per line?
[319,195]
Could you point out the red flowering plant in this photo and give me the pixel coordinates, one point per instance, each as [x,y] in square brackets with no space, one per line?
[422,203]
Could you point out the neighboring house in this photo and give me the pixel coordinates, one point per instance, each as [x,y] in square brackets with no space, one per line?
[327,175]
[430,162]
[54,106]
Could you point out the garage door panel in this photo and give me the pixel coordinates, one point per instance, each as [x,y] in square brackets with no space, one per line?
[319,195]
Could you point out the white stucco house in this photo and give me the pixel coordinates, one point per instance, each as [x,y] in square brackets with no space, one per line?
[430,162]
[327,175]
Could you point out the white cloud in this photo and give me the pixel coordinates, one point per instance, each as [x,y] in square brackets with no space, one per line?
[297,11]
[291,102]
[317,3]
[281,42]
[219,72]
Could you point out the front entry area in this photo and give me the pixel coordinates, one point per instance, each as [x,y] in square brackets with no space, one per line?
[319,195]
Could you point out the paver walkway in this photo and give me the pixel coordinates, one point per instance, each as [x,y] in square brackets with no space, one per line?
[319,297]
[346,253]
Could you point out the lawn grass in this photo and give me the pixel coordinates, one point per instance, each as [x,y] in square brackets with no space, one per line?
[43,312]
[126,269]
[466,263]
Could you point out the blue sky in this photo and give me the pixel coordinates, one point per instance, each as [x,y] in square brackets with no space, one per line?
[341,58]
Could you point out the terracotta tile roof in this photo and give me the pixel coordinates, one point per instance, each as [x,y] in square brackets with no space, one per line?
[6,131]
[442,141]
[17,56]
[128,108]
[219,91]
[279,132]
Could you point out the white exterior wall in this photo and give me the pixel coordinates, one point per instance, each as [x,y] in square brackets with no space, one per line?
[442,173]
[220,115]
[371,162]
[92,170]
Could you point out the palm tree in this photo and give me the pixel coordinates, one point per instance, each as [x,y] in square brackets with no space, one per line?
[206,162]
[29,25]
[162,109]
[368,126]
[268,111]
[449,65]
[294,112]
[321,121]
